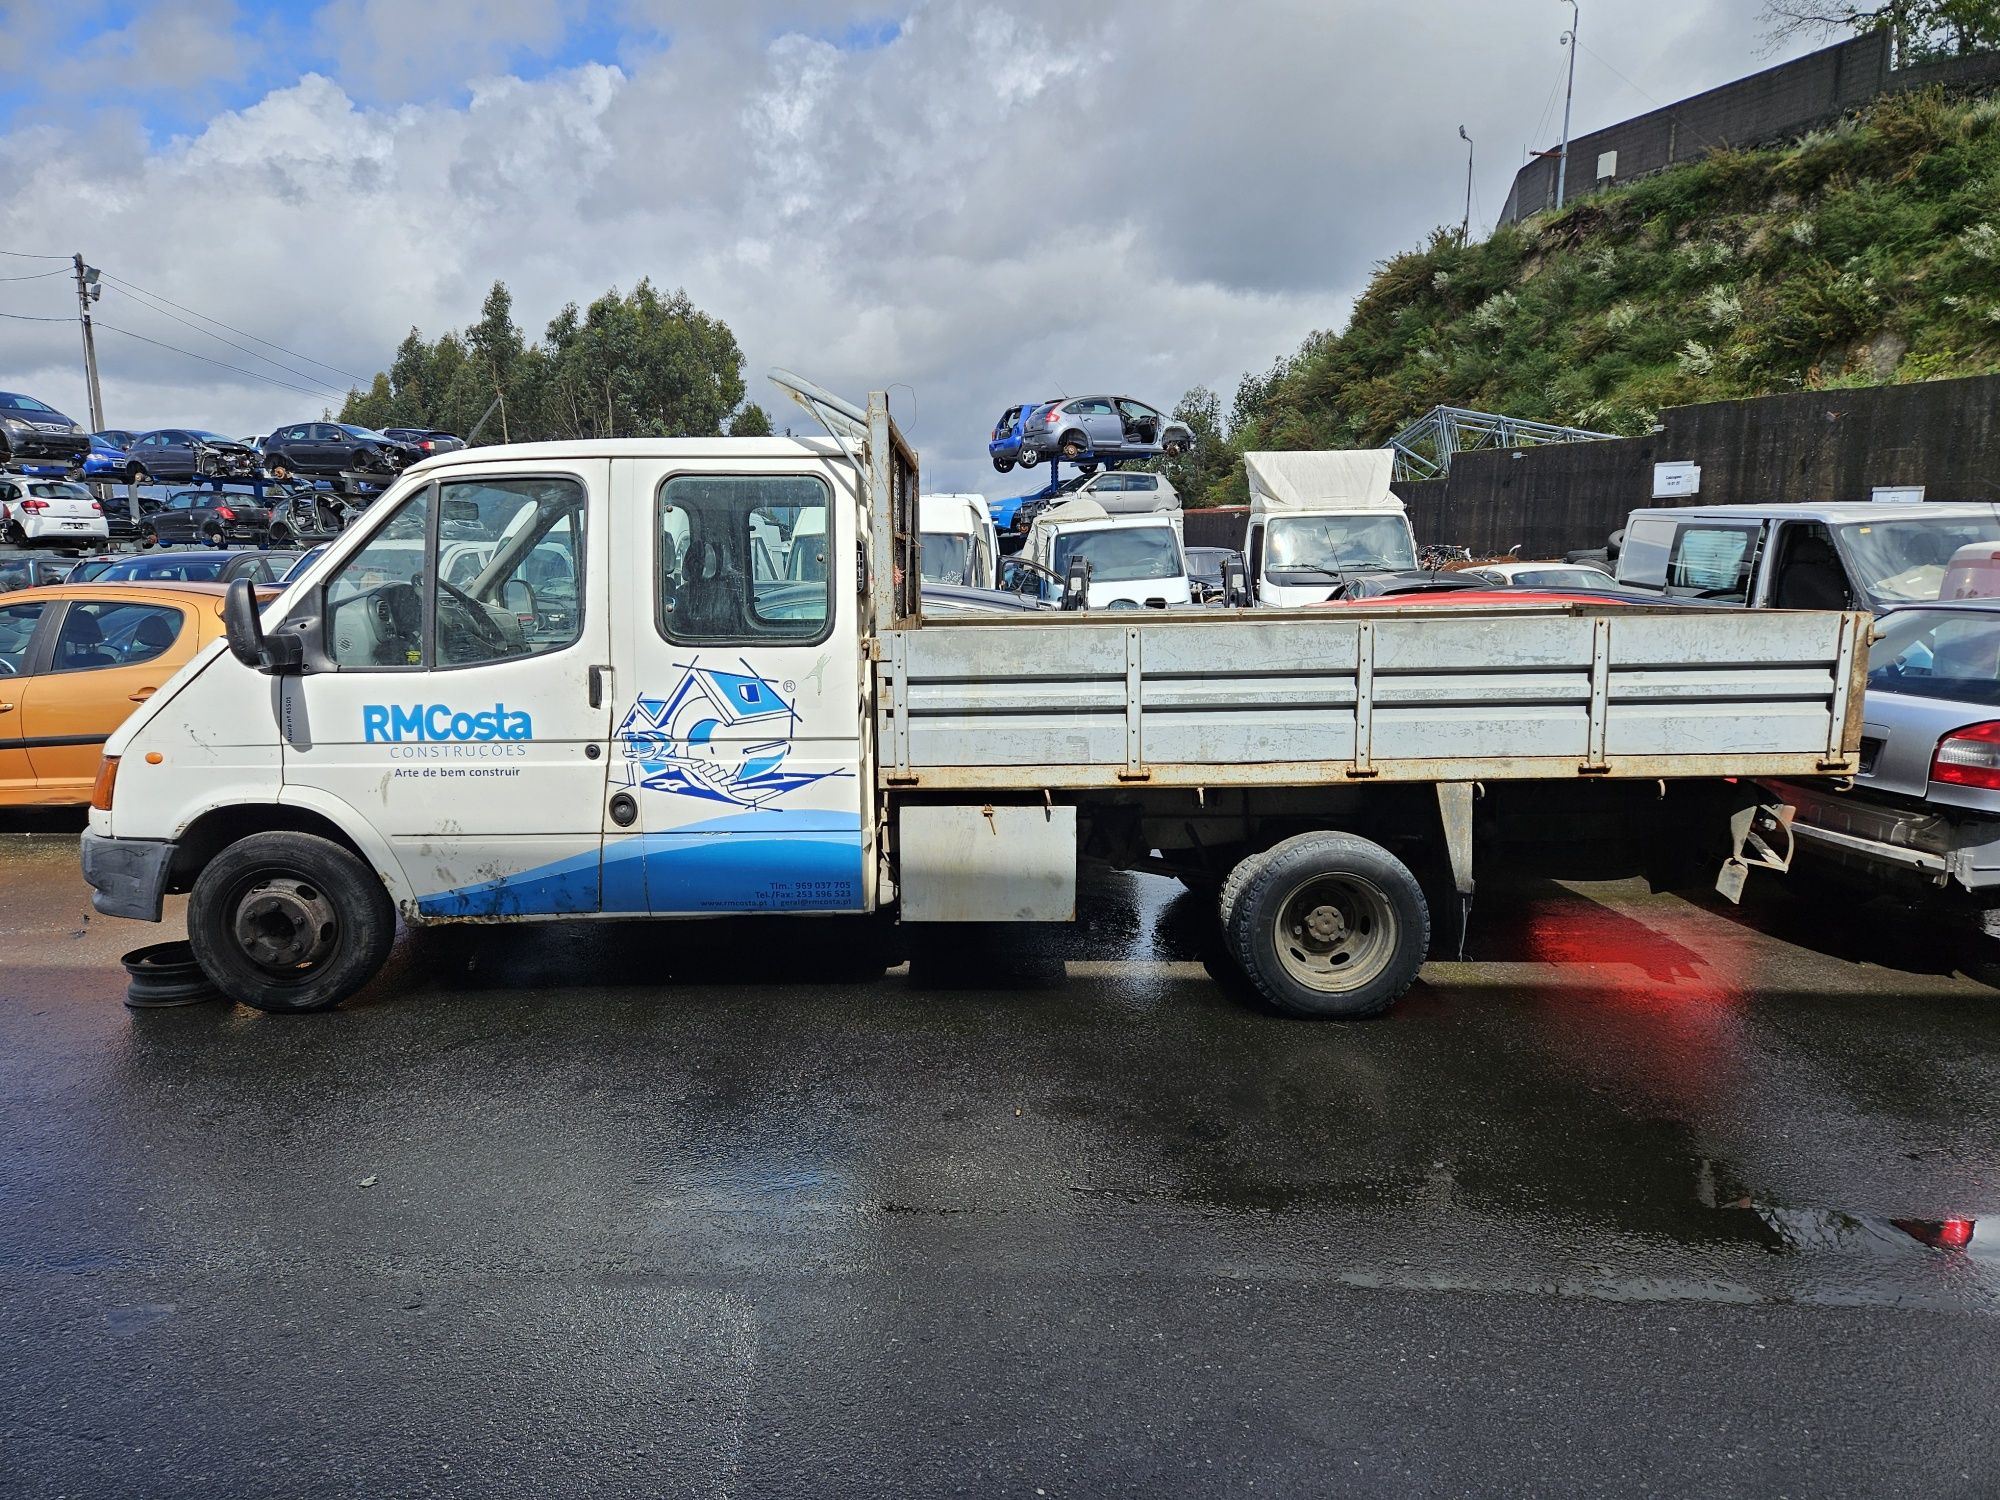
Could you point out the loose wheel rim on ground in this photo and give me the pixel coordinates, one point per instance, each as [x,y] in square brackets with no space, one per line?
[1335,933]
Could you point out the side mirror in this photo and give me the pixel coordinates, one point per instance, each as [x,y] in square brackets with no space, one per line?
[279,656]
[518,600]
[1076,584]
[1235,583]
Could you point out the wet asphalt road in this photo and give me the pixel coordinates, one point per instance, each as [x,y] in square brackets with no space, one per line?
[642,1211]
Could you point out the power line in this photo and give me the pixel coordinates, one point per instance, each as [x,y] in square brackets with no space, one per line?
[242,348]
[37,275]
[130,286]
[27,255]
[24,318]
[224,364]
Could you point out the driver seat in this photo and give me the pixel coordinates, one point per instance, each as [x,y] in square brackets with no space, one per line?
[1811,577]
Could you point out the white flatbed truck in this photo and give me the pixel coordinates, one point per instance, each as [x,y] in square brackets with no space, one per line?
[617,716]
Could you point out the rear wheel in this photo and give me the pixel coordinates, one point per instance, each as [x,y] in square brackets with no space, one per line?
[289,922]
[16,537]
[1072,445]
[1327,925]
[1002,465]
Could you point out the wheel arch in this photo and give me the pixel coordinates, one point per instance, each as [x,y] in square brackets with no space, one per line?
[326,817]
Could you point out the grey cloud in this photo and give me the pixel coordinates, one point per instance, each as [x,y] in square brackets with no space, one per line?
[1005,202]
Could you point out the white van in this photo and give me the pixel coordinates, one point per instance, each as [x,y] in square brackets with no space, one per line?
[1318,518]
[960,543]
[1845,555]
[1134,560]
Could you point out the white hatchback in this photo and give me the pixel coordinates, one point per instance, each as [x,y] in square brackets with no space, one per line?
[49,510]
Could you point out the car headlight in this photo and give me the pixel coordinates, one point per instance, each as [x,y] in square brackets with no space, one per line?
[15,424]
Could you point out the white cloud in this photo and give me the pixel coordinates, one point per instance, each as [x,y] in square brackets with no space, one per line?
[1005,201]
[392,49]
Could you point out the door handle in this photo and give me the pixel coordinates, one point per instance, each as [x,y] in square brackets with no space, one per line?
[597,676]
[142,695]
[6,708]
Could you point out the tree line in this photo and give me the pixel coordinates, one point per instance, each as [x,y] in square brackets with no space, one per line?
[645,363]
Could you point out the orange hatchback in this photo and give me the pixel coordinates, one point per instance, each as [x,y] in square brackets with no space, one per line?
[75,659]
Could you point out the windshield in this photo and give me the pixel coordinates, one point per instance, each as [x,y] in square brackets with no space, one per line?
[947,558]
[22,403]
[1938,653]
[1904,562]
[1332,544]
[1131,552]
[211,437]
[363,432]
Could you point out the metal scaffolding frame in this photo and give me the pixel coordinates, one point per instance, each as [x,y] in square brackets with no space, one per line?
[1425,449]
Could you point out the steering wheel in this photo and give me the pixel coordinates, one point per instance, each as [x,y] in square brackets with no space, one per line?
[479,622]
[7,668]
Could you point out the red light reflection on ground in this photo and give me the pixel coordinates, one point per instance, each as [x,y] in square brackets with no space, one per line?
[1637,963]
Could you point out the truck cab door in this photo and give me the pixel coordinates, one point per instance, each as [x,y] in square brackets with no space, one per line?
[460,718]
[739,778]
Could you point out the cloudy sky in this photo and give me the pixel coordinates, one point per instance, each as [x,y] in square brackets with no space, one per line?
[981,200]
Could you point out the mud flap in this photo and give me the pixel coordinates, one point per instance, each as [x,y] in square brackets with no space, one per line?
[1760,838]
[1455,812]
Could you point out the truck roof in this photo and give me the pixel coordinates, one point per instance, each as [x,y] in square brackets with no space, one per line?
[1831,510]
[760,447]
[1334,479]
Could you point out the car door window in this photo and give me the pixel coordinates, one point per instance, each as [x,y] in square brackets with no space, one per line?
[375,603]
[17,634]
[115,634]
[525,598]
[1712,561]
[714,587]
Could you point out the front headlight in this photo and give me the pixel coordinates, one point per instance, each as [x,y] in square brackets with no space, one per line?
[16,424]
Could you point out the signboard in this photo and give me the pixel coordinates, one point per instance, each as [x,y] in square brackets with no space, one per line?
[1897,494]
[1671,481]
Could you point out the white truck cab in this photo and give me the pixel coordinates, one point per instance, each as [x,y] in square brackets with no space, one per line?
[1843,555]
[961,545]
[1135,559]
[1318,518]
[680,678]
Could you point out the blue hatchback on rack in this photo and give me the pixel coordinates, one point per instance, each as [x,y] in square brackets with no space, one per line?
[1005,446]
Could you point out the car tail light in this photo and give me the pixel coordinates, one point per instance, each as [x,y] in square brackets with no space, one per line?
[34,507]
[224,513]
[428,444]
[107,783]
[96,506]
[1969,757]
[1053,417]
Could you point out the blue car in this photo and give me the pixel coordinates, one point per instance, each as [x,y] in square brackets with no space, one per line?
[106,458]
[1005,446]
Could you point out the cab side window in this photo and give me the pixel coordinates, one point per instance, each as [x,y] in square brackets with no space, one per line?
[1712,562]
[522,595]
[719,579]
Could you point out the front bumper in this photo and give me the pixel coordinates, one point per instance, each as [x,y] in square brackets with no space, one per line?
[128,877]
[63,447]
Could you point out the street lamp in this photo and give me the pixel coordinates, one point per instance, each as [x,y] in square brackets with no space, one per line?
[1562,162]
[1465,229]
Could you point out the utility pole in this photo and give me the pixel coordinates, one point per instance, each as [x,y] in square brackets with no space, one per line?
[1465,229]
[88,289]
[1562,162]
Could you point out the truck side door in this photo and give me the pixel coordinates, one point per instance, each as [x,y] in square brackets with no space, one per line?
[458,717]
[739,778]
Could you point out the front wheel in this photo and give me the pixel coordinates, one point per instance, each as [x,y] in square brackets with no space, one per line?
[1327,925]
[289,922]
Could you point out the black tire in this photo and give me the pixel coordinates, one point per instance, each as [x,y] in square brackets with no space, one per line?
[1233,883]
[1002,465]
[1328,925]
[1029,460]
[16,536]
[323,918]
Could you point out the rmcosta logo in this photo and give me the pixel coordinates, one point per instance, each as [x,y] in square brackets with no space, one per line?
[438,721]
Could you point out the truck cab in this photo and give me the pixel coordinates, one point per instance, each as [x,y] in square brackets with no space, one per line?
[1134,560]
[961,545]
[1319,519]
[1843,555]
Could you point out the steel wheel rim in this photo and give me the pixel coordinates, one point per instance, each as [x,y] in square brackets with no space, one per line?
[285,925]
[1335,933]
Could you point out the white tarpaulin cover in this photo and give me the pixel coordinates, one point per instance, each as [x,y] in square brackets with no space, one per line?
[1338,479]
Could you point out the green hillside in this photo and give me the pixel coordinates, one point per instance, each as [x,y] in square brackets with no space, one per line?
[1864,254]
